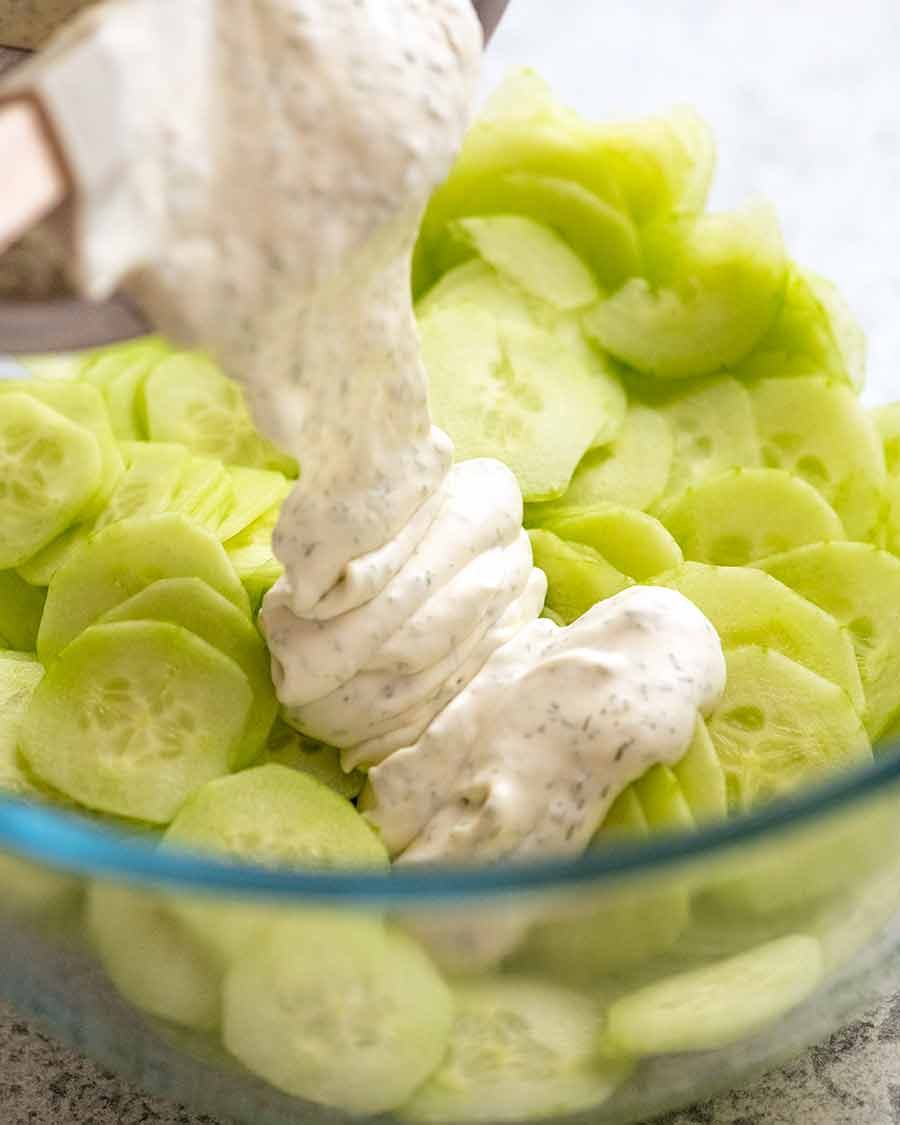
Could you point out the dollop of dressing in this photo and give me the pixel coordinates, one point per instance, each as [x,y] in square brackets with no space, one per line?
[253,173]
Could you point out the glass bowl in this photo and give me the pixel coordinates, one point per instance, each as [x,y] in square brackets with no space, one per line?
[635,980]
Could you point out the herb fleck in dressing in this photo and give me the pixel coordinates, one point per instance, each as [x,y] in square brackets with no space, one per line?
[269,212]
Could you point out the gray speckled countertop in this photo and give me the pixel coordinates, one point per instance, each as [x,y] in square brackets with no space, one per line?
[853,1079]
[803,97]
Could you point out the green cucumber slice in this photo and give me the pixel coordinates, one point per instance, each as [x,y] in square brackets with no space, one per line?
[152,959]
[887,423]
[205,492]
[133,717]
[814,333]
[779,726]
[630,540]
[120,561]
[860,587]
[509,391]
[119,373]
[21,606]
[287,747]
[719,1004]
[665,806]
[255,492]
[269,815]
[49,473]
[663,165]
[817,429]
[519,1049]
[152,471]
[40,568]
[251,556]
[748,607]
[715,286]
[577,576]
[334,1010]
[714,430]
[188,400]
[476,283]
[531,256]
[632,471]
[701,777]
[626,817]
[748,514]
[191,604]
[18,682]
[84,406]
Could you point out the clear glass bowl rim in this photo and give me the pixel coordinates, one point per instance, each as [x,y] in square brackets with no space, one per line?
[65,842]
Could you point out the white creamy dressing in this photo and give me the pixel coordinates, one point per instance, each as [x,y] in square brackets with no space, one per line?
[253,173]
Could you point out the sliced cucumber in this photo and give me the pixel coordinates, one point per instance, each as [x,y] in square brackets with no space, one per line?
[476,283]
[251,556]
[18,682]
[334,1010]
[665,806]
[84,406]
[152,471]
[120,561]
[287,747]
[205,492]
[748,514]
[632,471]
[701,777]
[531,256]
[748,607]
[40,568]
[817,429]
[255,492]
[509,391]
[21,606]
[119,374]
[49,472]
[188,400]
[577,576]
[714,288]
[626,817]
[814,333]
[711,1007]
[714,430]
[519,1049]
[779,726]
[133,717]
[152,959]
[193,605]
[887,423]
[269,815]
[633,542]
[860,587]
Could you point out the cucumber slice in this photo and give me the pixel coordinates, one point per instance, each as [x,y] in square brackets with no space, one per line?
[18,682]
[860,587]
[84,406]
[713,429]
[289,748]
[748,514]
[817,429]
[719,1004]
[519,1049]
[49,473]
[255,492]
[152,959]
[531,256]
[188,400]
[268,815]
[663,801]
[779,726]
[205,492]
[133,717]
[632,471]
[577,576]
[119,374]
[510,391]
[814,333]
[626,817]
[191,604]
[251,556]
[887,423]
[701,777]
[476,283]
[120,561]
[152,472]
[714,288]
[663,165]
[21,606]
[40,568]
[748,607]
[633,542]
[334,1010]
